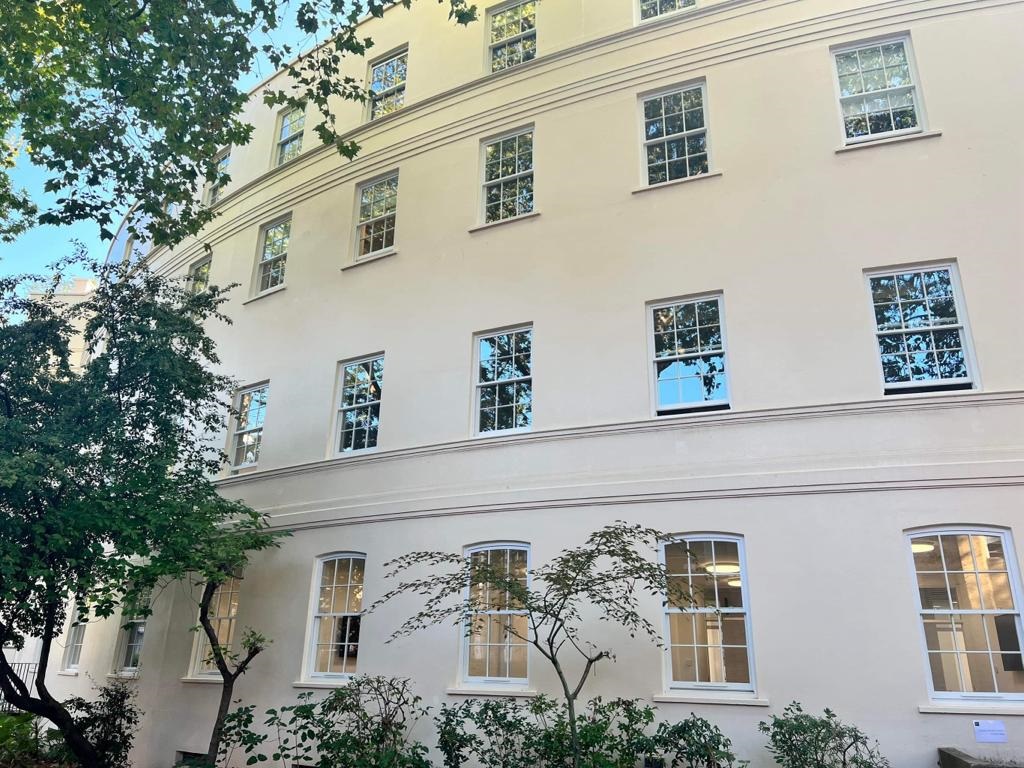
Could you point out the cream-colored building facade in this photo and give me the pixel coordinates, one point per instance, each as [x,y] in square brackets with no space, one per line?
[797,353]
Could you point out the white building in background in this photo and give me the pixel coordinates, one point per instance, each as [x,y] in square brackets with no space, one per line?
[745,271]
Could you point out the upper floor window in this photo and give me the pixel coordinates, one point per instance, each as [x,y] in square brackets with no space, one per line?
[359,412]
[508,177]
[689,355]
[248,433]
[223,610]
[513,35]
[221,161]
[505,380]
[130,640]
[496,646]
[969,594]
[877,94]
[708,641]
[73,644]
[378,205]
[387,85]
[289,135]
[199,276]
[273,255]
[337,615]
[650,9]
[675,135]
[919,325]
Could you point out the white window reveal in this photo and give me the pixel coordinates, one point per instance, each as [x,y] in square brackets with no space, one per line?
[689,356]
[337,616]
[274,255]
[675,135]
[496,646]
[969,594]
[513,35]
[505,380]
[248,434]
[650,9]
[877,95]
[708,641]
[223,611]
[387,85]
[362,388]
[378,205]
[508,177]
[289,136]
[919,325]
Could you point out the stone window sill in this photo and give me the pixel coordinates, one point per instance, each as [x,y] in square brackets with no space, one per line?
[371,258]
[268,292]
[1007,709]
[340,682]
[523,693]
[735,700]
[209,680]
[891,140]
[68,673]
[492,224]
[676,182]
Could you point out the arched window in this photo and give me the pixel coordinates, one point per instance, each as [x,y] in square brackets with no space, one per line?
[496,645]
[336,615]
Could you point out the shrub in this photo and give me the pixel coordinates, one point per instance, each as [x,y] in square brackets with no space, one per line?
[800,740]
[695,743]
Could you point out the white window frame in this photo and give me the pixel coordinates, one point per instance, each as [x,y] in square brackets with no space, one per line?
[213,191]
[280,143]
[638,16]
[236,432]
[652,360]
[509,683]
[122,644]
[484,183]
[193,268]
[357,229]
[930,386]
[257,279]
[478,385]
[201,644]
[745,611]
[491,46]
[922,117]
[73,644]
[1016,591]
[339,409]
[706,128]
[313,626]
[381,61]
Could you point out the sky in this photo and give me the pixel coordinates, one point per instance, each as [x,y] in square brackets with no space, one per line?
[43,245]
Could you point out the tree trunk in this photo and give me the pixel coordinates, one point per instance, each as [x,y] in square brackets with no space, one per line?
[570,707]
[226,692]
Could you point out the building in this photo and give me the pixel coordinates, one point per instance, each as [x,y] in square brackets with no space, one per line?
[744,271]
[74,291]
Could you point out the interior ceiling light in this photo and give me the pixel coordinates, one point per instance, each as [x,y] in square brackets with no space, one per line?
[734,583]
[722,569]
[919,547]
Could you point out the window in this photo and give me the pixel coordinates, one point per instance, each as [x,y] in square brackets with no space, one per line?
[708,641]
[73,644]
[877,95]
[505,384]
[497,642]
[387,85]
[199,276]
[508,177]
[922,341]
[289,136]
[689,355]
[222,161]
[378,202]
[133,633]
[274,255]
[248,437]
[359,412]
[675,135]
[336,616]
[223,610]
[513,35]
[650,9]
[969,597]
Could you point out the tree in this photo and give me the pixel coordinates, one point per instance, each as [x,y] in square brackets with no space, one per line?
[105,485]
[129,102]
[606,574]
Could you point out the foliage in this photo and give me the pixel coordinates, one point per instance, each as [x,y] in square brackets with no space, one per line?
[110,721]
[22,744]
[799,740]
[365,724]
[695,743]
[130,101]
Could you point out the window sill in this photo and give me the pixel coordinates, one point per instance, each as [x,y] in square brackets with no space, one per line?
[341,682]
[122,676]
[709,698]
[68,672]
[675,182]
[890,140]
[1005,709]
[268,292]
[209,680]
[520,693]
[500,432]
[370,258]
[492,224]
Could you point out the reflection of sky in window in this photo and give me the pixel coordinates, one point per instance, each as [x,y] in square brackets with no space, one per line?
[689,354]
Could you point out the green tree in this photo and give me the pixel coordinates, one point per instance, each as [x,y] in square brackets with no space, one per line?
[606,575]
[105,488]
[128,102]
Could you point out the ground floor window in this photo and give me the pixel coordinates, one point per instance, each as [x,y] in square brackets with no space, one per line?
[337,615]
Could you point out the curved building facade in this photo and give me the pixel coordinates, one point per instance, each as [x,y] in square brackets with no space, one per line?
[743,271]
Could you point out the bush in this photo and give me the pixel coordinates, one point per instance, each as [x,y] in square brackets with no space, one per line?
[109,722]
[695,743]
[799,740]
